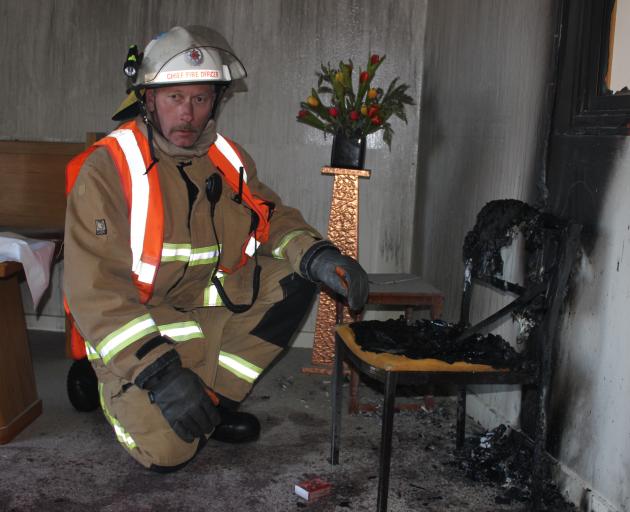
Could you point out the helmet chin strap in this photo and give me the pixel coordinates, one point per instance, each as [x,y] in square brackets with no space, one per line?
[149,125]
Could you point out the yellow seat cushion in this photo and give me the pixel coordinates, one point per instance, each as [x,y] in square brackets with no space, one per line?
[399,363]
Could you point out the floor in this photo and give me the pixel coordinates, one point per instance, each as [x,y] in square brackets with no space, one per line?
[70,461]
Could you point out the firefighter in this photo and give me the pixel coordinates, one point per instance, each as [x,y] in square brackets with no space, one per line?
[185,275]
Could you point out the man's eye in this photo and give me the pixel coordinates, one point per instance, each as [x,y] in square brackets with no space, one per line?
[201,99]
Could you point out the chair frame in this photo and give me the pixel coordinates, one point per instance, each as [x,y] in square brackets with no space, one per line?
[560,258]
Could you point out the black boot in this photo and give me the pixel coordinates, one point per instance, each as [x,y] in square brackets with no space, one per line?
[236,427]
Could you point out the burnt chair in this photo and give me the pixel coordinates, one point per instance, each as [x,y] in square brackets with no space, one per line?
[551,246]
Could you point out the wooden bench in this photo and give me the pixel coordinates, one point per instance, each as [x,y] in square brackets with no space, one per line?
[32,180]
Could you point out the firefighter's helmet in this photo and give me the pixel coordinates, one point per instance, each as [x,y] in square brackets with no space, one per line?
[183,55]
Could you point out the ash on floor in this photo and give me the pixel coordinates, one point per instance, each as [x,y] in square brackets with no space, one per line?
[69,461]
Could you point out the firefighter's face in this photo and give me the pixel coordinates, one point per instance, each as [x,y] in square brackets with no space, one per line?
[181,111]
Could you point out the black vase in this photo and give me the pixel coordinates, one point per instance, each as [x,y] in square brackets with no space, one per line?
[347,152]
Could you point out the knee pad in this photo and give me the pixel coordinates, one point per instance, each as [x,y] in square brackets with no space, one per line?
[283,318]
[171,469]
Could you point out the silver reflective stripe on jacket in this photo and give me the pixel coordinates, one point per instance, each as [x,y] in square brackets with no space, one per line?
[181,331]
[139,202]
[121,434]
[125,336]
[185,253]
[228,152]
[240,367]
[278,252]
[210,295]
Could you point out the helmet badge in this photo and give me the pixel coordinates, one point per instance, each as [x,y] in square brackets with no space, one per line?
[194,57]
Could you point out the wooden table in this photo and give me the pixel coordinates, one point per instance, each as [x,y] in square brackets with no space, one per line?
[19,403]
[407,290]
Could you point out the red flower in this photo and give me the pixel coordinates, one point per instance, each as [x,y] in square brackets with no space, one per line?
[333,111]
[302,113]
[374,59]
[372,110]
[364,76]
[354,115]
[376,120]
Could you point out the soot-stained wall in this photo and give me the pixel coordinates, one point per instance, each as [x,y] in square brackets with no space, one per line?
[62,76]
[486,71]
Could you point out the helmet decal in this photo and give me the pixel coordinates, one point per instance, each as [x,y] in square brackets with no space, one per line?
[194,57]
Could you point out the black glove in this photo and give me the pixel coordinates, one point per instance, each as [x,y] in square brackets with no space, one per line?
[181,396]
[324,263]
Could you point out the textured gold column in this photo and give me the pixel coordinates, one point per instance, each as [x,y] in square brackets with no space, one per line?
[343,231]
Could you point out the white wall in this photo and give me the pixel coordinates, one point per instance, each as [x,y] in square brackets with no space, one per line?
[62,65]
[592,382]
[485,73]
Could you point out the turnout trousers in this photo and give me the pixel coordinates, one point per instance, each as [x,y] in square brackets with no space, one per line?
[230,358]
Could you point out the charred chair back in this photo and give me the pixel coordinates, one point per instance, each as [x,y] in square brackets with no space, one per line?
[461,354]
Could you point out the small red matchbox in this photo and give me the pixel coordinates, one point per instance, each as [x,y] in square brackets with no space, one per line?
[313,489]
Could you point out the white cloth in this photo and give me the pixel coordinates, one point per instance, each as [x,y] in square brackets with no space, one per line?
[34,255]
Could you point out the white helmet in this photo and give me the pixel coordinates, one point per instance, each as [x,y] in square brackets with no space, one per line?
[183,55]
[188,55]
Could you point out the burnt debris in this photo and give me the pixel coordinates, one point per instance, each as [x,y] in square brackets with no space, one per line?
[504,457]
[435,339]
[497,224]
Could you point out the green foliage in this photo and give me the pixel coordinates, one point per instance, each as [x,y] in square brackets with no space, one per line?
[356,114]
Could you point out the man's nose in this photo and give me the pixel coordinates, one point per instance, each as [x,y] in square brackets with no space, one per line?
[186,111]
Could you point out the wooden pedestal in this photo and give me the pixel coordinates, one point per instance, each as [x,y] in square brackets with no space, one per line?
[19,404]
[343,231]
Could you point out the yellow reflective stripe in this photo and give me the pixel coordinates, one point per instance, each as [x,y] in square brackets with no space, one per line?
[125,336]
[176,252]
[121,434]
[210,294]
[278,252]
[181,331]
[204,255]
[185,253]
[91,353]
[239,367]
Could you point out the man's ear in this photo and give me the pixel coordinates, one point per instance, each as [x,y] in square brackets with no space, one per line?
[150,100]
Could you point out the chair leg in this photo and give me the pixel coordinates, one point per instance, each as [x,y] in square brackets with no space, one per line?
[386,440]
[353,406]
[337,382]
[538,464]
[460,432]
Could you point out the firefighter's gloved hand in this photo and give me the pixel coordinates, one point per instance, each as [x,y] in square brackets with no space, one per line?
[324,263]
[181,396]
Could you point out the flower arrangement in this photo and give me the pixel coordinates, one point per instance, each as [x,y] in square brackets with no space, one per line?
[354,114]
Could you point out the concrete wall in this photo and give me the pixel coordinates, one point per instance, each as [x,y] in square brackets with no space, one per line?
[484,83]
[486,65]
[591,428]
[62,64]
